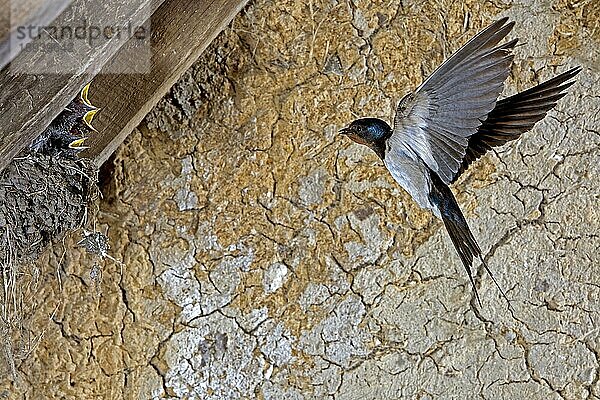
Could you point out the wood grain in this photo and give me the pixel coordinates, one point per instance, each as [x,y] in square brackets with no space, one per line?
[29,101]
[181,30]
[24,13]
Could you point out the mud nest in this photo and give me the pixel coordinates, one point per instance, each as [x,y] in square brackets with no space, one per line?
[41,197]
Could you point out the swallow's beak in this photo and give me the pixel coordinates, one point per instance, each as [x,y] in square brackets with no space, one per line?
[84,96]
[88,117]
[78,144]
[344,131]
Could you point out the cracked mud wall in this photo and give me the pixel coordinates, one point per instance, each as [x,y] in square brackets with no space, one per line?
[267,257]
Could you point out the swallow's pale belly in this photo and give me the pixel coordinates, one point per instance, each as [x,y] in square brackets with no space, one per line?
[413,176]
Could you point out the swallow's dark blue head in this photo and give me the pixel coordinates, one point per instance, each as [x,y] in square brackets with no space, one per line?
[371,132]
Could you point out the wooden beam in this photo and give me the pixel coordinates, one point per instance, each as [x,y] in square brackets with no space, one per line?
[181,30]
[31,97]
[17,15]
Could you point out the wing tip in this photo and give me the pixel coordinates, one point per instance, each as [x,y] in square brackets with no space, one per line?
[498,28]
[573,71]
[502,21]
[510,44]
[563,81]
[501,25]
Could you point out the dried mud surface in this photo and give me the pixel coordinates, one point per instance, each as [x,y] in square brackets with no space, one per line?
[267,257]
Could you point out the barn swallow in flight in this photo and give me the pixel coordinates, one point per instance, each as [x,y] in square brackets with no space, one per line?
[451,120]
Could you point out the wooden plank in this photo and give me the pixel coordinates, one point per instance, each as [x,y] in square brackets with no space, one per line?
[31,95]
[16,16]
[181,30]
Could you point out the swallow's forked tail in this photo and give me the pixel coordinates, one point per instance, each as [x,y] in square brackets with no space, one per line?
[458,229]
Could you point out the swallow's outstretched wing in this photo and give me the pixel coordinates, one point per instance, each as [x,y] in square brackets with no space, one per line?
[433,125]
[516,115]
[436,121]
